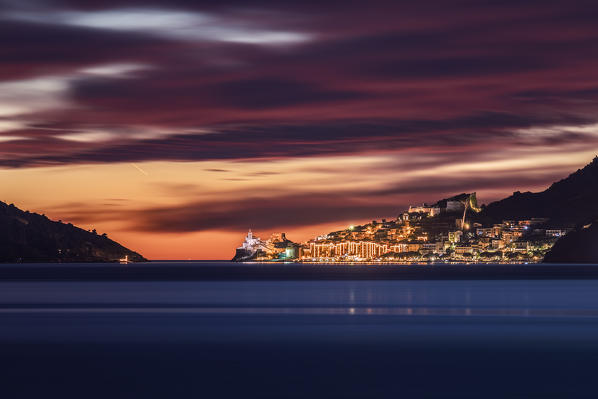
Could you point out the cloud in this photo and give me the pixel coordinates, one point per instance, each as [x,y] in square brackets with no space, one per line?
[257,212]
[217,170]
[168,23]
[247,94]
[288,141]
[36,50]
[270,92]
[120,81]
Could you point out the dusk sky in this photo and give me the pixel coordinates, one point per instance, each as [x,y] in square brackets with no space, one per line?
[175,126]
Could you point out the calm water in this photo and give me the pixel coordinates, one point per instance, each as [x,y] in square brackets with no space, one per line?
[287,339]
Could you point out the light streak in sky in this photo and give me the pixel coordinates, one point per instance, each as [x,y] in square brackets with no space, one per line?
[139,169]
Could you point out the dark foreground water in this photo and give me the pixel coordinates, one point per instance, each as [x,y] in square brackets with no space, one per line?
[302,338]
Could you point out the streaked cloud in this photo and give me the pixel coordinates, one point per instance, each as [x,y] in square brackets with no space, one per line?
[31,95]
[176,24]
[6,138]
[114,70]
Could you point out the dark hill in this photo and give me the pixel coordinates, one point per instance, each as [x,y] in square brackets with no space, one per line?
[565,203]
[30,237]
[579,246]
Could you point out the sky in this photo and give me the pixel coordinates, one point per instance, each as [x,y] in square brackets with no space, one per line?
[175,126]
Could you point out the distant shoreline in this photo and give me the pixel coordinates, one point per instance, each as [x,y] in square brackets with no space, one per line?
[375,262]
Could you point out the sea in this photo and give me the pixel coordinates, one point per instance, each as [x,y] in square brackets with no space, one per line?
[222,330]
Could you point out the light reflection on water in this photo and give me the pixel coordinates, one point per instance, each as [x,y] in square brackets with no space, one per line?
[403,298]
[300,339]
[359,311]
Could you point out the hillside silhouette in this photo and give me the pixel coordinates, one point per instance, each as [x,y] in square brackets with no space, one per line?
[566,203]
[31,237]
[578,246]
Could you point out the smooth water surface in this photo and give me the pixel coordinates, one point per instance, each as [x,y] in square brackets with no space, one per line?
[304,339]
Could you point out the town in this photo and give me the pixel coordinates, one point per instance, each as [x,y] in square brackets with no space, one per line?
[447,231]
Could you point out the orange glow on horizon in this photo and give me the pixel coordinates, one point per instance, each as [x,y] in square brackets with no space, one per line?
[112,198]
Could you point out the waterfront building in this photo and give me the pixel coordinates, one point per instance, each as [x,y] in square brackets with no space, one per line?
[252,243]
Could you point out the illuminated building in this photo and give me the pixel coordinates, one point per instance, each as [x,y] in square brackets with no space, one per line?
[359,249]
[557,232]
[498,244]
[463,250]
[427,209]
[252,244]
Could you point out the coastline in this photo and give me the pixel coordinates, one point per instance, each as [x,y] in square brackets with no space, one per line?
[377,262]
